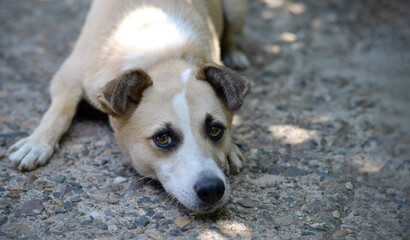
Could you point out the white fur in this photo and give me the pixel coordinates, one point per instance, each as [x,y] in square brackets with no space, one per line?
[186,74]
[141,36]
[30,153]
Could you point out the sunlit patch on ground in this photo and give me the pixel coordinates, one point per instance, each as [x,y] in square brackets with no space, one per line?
[274,3]
[210,234]
[234,229]
[291,134]
[368,164]
[237,120]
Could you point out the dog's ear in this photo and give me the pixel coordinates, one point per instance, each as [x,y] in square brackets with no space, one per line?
[228,84]
[124,93]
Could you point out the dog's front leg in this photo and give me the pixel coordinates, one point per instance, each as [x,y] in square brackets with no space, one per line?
[235,159]
[35,150]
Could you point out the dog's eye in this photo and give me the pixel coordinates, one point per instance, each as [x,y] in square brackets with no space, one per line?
[216,132]
[162,139]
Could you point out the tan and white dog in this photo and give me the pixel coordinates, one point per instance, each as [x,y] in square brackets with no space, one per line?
[154,66]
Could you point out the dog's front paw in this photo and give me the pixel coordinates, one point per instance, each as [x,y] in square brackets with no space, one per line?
[235,159]
[236,59]
[29,153]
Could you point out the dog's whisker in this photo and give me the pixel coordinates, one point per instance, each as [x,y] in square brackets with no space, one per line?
[150,181]
[176,204]
[141,179]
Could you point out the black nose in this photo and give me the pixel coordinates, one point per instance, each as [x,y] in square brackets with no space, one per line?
[210,190]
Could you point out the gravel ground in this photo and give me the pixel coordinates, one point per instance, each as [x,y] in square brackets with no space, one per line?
[325,131]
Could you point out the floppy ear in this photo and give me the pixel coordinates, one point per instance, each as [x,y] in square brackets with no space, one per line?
[227,83]
[124,93]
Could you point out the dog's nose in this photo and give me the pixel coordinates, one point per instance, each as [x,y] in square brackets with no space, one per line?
[210,190]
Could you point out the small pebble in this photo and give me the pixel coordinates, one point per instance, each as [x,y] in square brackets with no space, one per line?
[86,222]
[32,177]
[289,199]
[59,178]
[78,191]
[144,200]
[119,180]
[112,228]
[175,232]
[318,229]
[56,194]
[142,221]
[75,184]
[288,37]
[85,152]
[108,213]
[76,199]
[13,194]
[284,220]
[336,214]
[68,205]
[340,233]
[155,236]
[101,225]
[182,222]
[29,208]
[248,203]
[349,185]
[113,201]
[58,210]
[21,227]
[3,220]
[96,215]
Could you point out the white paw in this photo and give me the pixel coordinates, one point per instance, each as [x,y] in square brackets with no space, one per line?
[29,153]
[236,60]
[235,159]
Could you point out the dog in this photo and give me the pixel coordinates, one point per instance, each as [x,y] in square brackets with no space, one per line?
[155,67]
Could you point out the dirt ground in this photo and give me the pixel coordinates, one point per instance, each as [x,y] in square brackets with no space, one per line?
[325,132]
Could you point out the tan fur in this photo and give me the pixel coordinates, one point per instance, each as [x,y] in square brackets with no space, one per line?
[159,40]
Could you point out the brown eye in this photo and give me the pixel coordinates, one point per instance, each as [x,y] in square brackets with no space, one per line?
[162,139]
[215,132]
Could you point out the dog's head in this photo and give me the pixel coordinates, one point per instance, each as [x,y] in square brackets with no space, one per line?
[174,123]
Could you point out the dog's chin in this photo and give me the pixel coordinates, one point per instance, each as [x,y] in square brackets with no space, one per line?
[206,208]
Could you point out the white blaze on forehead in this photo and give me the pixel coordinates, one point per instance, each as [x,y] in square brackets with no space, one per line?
[186,74]
[180,105]
[189,154]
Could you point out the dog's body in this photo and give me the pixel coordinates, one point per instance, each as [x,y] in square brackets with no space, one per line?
[155,68]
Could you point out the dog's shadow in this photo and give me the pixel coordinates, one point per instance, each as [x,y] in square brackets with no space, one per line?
[86,112]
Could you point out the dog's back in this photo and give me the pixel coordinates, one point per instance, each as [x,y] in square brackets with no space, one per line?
[121,35]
